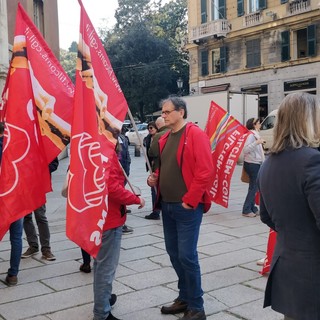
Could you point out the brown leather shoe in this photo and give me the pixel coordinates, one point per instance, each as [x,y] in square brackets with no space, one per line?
[177,307]
[194,315]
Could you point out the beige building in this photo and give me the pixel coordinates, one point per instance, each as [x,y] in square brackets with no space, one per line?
[44,14]
[269,47]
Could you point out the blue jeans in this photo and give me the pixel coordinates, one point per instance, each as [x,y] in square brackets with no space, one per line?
[16,246]
[104,269]
[154,198]
[181,232]
[249,204]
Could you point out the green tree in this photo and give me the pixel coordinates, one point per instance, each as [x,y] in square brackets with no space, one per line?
[68,62]
[145,51]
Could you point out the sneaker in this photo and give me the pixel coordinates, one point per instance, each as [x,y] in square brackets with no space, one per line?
[31,251]
[113,299]
[261,262]
[126,229]
[249,215]
[153,216]
[11,280]
[85,268]
[47,255]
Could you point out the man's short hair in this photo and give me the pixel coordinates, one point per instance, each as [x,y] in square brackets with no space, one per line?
[178,103]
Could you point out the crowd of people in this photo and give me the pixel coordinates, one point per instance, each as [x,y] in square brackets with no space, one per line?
[180,160]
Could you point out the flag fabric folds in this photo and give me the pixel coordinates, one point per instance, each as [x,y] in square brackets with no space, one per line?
[99,111]
[37,102]
[227,137]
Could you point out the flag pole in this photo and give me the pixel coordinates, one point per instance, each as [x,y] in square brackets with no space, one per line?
[140,141]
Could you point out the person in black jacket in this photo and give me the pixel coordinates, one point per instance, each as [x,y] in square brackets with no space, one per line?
[43,227]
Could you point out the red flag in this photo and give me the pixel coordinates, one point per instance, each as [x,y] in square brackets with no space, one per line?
[270,249]
[227,137]
[99,111]
[37,91]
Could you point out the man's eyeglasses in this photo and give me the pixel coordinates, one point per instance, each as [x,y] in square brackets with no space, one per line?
[150,128]
[167,112]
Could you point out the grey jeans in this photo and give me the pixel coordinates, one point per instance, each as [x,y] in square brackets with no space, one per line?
[43,227]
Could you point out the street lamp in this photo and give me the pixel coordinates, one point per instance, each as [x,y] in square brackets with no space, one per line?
[180,85]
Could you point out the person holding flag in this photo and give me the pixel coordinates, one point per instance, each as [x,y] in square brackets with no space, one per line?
[183,181]
[106,262]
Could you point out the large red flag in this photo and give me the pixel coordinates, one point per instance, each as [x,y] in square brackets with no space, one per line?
[227,137]
[99,111]
[37,92]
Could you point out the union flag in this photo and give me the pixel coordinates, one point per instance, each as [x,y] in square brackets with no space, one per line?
[36,108]
[99,112]
[227,138]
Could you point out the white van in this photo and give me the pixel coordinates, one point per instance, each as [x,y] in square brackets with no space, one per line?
[266,130]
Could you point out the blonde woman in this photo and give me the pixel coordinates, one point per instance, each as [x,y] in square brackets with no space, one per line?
[253,156]
[289,183]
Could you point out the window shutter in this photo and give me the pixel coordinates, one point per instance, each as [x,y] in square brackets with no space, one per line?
[203,11]
[311,36]
[262,4]
[240,8]
[222,9]
[285,46]
[223,59]
[204,63]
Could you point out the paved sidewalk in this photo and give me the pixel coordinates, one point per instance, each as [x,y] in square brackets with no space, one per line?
[229,247]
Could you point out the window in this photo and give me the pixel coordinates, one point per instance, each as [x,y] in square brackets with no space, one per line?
[253,53]
[203,11]
[306,42]
[285,46]
[204,63]
[218,9]
[38,14]
[219,60]
[215,60]
[256,5]
[240,8]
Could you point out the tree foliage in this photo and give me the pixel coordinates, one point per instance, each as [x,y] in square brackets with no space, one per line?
[68,62]
[145,51]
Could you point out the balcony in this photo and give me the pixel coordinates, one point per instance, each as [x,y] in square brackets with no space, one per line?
[252,19]
[217,29]
[298,6]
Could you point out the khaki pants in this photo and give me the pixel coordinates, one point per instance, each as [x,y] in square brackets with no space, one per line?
[287,318]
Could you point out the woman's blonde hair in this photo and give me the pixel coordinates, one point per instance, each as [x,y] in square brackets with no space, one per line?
[298,122]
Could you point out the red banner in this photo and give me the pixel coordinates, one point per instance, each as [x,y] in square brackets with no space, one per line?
[270,249]
[24,172]
[99,111]
[52,89]
[227,137]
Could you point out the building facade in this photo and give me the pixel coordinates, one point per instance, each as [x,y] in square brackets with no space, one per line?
[44,14]
[271,47]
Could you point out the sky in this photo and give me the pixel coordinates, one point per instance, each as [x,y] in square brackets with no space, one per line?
[100,12]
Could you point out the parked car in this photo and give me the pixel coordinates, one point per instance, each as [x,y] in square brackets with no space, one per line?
[266,130]
[142,131]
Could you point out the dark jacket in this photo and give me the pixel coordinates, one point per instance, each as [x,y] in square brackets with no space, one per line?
[124,155]
[289,184]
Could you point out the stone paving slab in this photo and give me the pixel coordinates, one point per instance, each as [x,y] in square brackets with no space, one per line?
[229,246]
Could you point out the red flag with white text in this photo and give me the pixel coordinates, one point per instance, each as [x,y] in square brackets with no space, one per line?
[227,137]
[99,111]
[37,111]
[53,90]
